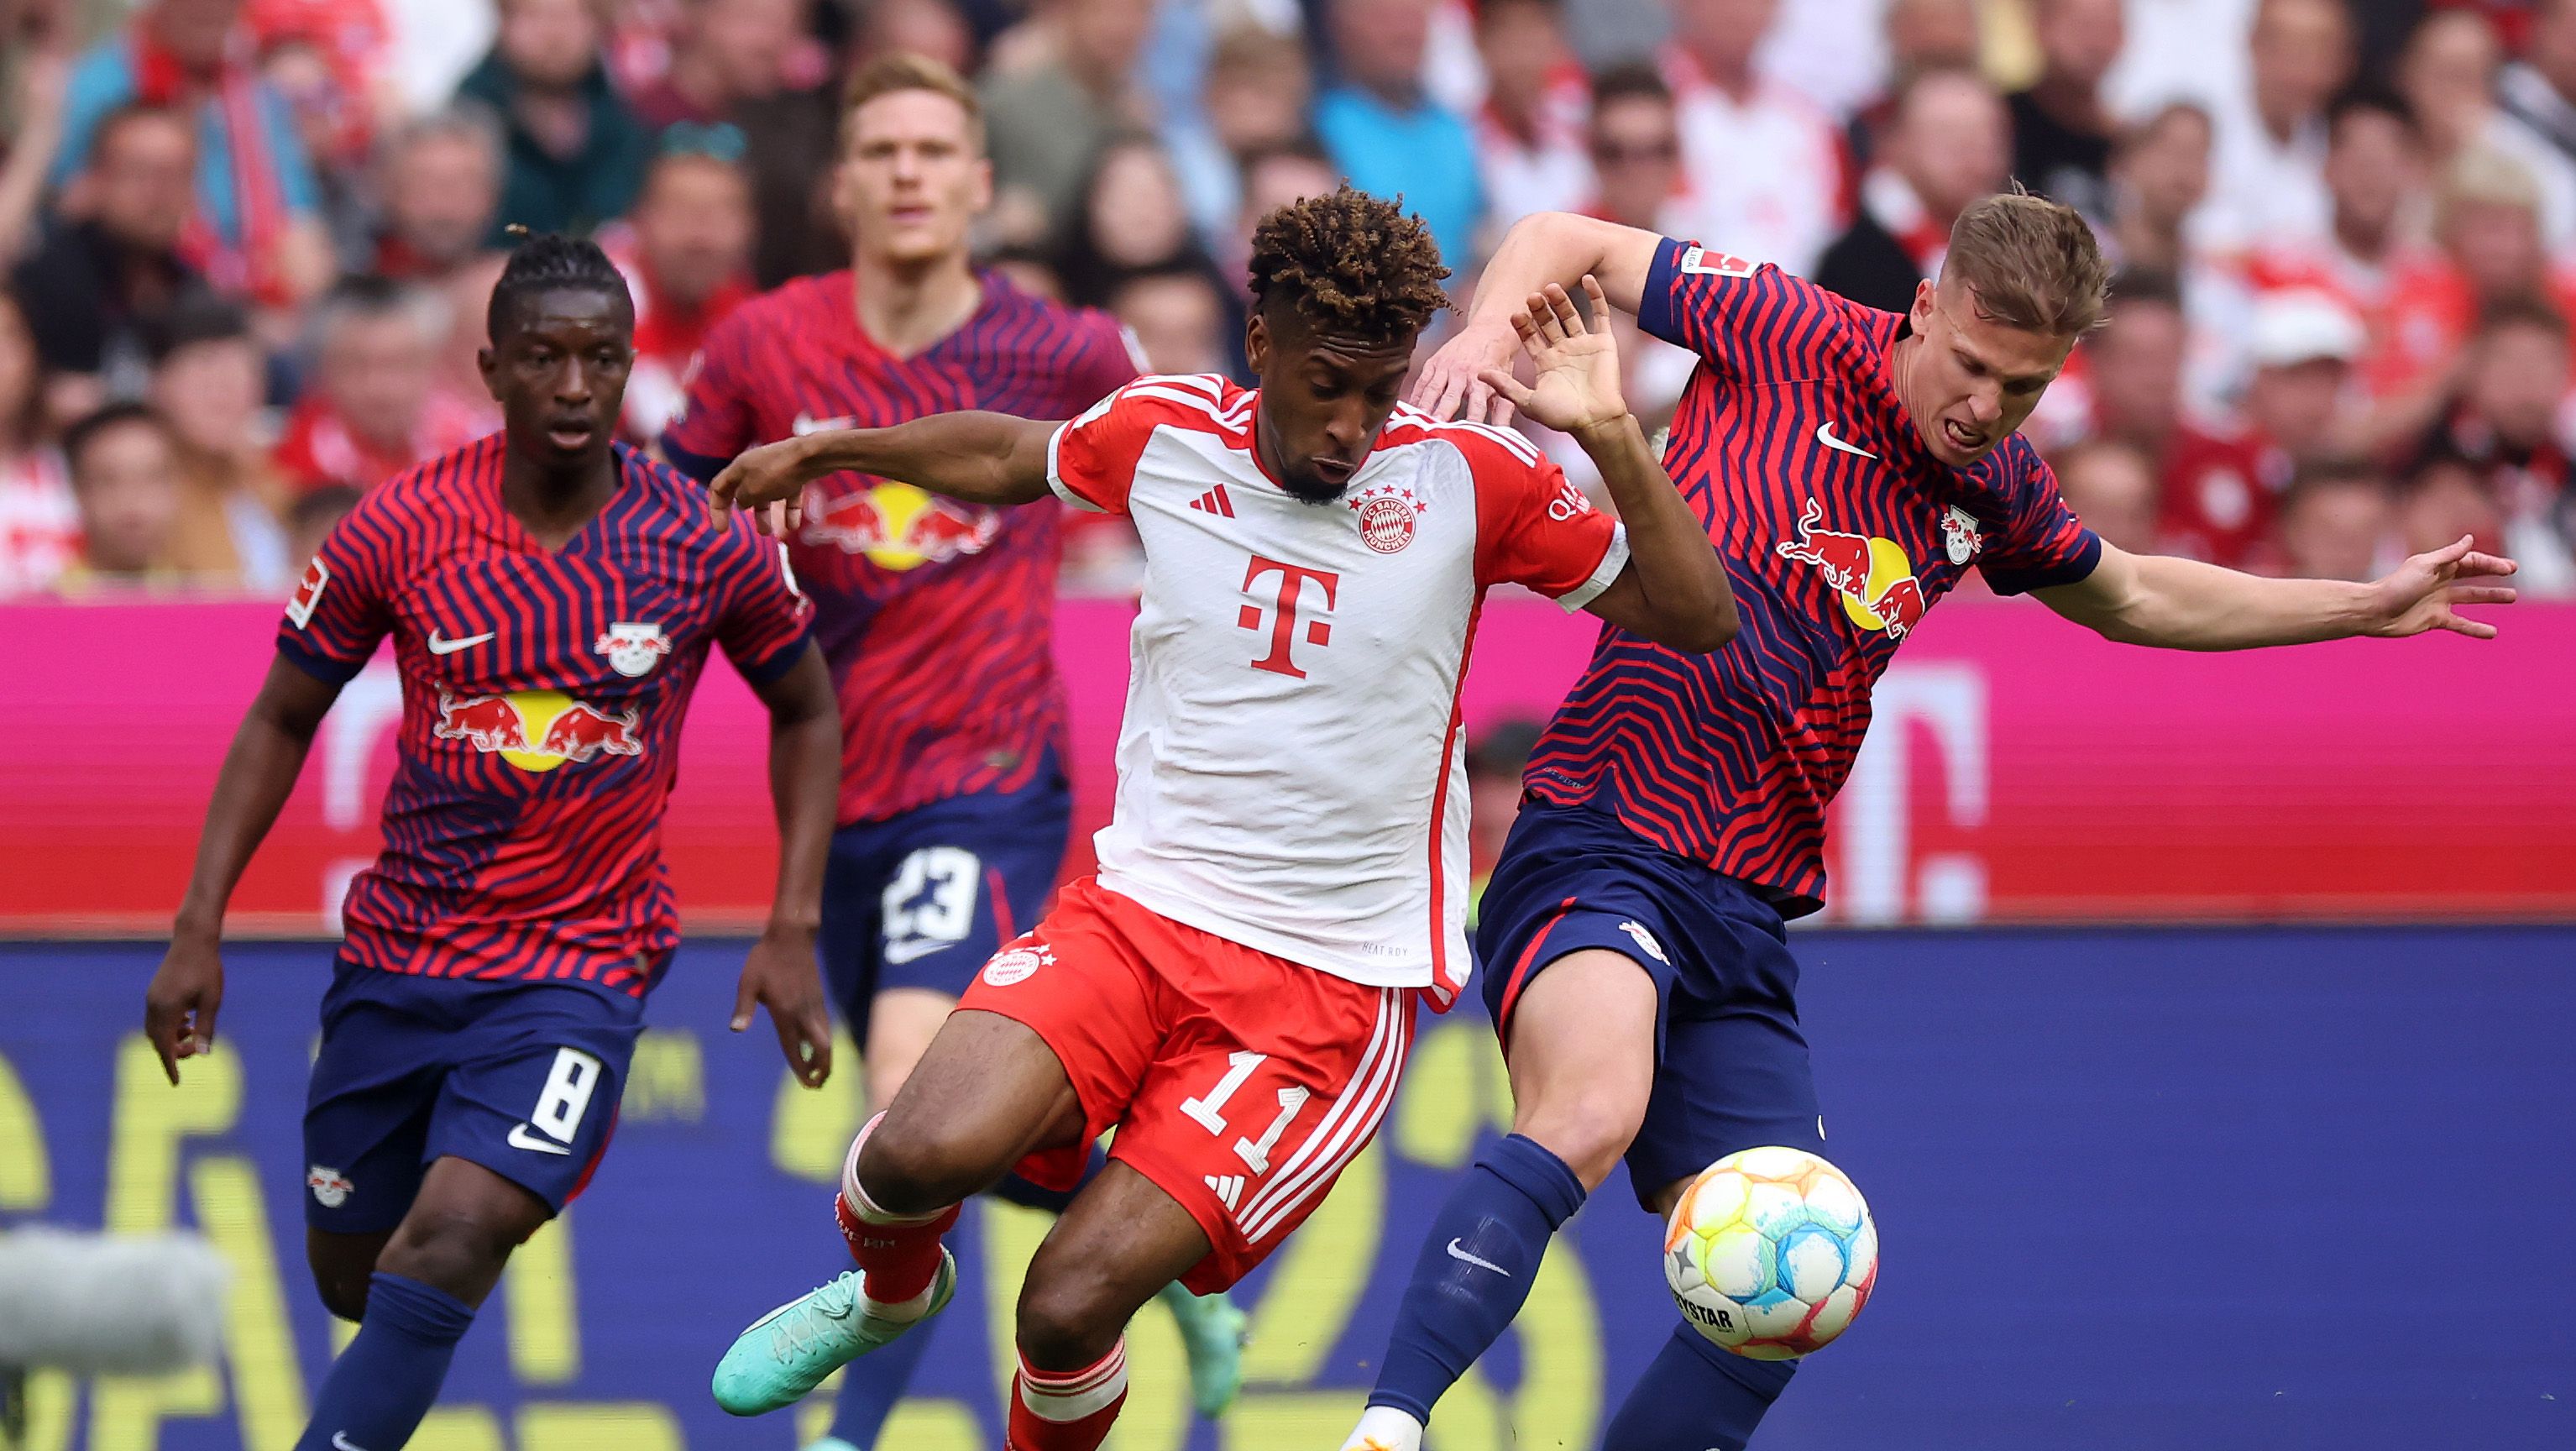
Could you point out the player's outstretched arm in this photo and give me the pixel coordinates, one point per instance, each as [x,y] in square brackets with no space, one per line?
[1542,248]
[258,772]
[1674,590]
[804,788]
[981,458]
[2183,604]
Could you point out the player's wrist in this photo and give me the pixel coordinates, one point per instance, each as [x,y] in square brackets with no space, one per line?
[791,926]
[197,924]
[1609,431]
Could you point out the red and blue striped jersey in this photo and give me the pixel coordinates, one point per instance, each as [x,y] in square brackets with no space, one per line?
[1838,531]
[936,617]
[541,701]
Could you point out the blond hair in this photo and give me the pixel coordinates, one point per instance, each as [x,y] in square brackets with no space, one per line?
[905,71]
[2031,263]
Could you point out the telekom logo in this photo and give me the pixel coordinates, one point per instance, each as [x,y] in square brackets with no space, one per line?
[1283,612]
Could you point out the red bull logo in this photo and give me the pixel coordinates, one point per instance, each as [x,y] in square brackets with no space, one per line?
[898,526]
[1873,575]
[538,730]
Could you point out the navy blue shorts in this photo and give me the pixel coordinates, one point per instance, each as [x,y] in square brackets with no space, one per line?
[924,898]
[519,1077]
[1731,1068]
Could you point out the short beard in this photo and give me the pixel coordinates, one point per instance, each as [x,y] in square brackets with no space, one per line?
[1312,491]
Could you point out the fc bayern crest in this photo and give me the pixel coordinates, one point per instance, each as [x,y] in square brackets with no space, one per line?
[633,647]
[1387,514]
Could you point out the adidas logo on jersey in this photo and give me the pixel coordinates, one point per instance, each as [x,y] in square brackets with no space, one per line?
[1214,501]
[1228,1188]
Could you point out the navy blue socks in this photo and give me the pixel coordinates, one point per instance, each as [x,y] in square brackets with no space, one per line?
[389,1376]
[1696,1397]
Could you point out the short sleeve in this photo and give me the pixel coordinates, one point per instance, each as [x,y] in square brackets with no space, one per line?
[1091,461]
[1713,304]
[1533,526]
[2042,543]
[342,607]
[715,423]
[764,624]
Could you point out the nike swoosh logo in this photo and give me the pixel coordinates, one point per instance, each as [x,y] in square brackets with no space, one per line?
[340,1439]
[1825,436]
[899,953]
[1456,1253]
[438,646]
[807,423]
[520,1138]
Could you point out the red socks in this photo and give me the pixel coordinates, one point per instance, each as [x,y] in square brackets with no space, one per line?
[899,1253]
[1067,1411]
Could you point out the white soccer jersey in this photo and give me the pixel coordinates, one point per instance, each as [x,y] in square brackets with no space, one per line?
[1289,769]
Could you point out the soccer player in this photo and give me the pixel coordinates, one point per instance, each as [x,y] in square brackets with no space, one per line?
[1284,876]
[552,596]
[1851,466]
[936,616]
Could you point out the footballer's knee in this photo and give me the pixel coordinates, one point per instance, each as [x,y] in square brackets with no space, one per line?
[461,1229]
[915,1164]
[1589,1129]
[342,1265]
[1071,1312]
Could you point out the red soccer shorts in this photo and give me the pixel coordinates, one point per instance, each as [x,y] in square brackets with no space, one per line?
[1240,1083]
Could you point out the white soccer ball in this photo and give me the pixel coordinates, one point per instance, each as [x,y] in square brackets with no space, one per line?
[1771,1253]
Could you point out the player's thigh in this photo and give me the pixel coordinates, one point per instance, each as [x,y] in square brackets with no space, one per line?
[461,1229]
[373,1089]
[1735,1075]
[901,1024]
[1581,1046]
[533,1098]
[1123,1239]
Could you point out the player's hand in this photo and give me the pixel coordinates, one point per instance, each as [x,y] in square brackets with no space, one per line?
[1452,382]
[2422,593]
[769,481]
[179,1007]
[1577,384]
[781,975]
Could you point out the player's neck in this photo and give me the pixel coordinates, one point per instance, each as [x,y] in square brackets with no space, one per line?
[554,506]
[907,309]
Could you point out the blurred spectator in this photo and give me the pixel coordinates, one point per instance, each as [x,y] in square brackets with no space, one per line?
[2136,377]
[1767,172]
[2375,179]
[355,42]
[2487,220]
[464,302]
[1529,133]
[1128,218]
[1949,145]
[1179,316]
[2303,345]
[2268,169]
[2537,95]
[95,285]
[1047,122]
[334,133]
[2505,422]
[39,527]
[127,487]
[1635,140]
[253,229]
[376,409]
[688,263]
[312,517]
[922,27]
[1272,179]
[1029,270]
[27,150]
[2111,486]
[2448,73]
[1922,35]
[576,151]
[2337,522]
[2446,496]
[2061,130]
[439,188]
[2159,176]
[723,52]
[207,387]
[1257,92]
[1387,135]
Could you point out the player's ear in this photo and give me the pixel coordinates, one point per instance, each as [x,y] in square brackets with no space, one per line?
[1256,343]
[1926,292]
[489,366]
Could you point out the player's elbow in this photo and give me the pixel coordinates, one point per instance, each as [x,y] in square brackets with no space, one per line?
[1698,631]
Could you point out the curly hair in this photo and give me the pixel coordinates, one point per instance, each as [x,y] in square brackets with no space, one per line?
[1352,265]
[547,261]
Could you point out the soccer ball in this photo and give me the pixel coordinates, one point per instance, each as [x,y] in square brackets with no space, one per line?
[1771,1253]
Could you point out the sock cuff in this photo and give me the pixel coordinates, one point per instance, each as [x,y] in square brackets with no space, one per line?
[867,1210]
[1062,1396]
[1527,1165]
[424,1312]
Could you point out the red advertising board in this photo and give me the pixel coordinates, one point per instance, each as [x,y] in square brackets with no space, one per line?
[2020,769]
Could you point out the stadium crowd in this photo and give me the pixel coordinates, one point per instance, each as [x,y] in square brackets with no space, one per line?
[247,241]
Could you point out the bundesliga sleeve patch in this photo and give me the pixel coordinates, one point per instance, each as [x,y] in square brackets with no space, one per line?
[1699,259]
[308,593]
